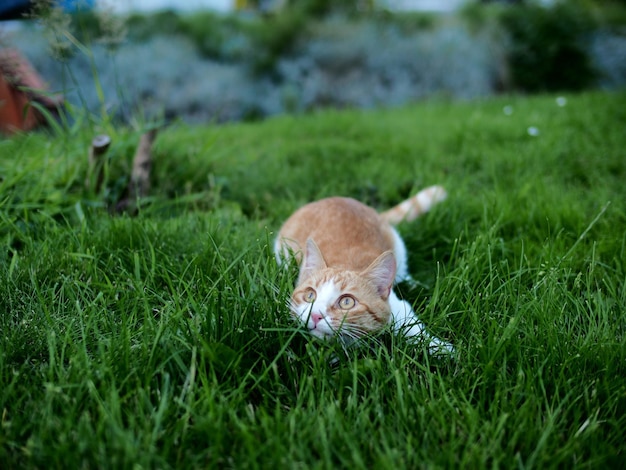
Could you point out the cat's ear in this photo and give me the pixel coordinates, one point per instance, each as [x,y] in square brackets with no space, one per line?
[313,260]
[381,273]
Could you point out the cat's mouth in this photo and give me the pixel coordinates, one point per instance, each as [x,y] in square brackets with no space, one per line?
[320,334]
[321,330]
[338,335]
[318,324]
[328,332]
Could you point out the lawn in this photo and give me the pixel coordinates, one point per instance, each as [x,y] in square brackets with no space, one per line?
[162,340]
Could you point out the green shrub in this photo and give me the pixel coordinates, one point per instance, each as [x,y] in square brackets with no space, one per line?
[274,37]
[257,41]
[322,8]
[212,33]
[547,50]
[143,27]
[407,22]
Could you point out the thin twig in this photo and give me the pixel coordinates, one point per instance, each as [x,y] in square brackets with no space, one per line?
[139,184]
[95,174]
[142,165]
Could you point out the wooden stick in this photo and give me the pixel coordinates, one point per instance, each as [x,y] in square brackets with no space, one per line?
[142,165]
[139,184]
[95,173]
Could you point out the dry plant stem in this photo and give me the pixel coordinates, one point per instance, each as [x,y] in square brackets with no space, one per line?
[142,164]
[99,146]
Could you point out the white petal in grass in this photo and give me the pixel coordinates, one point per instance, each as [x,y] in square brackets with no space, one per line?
[561,101]
[507,110]
[590,423]
[533,131]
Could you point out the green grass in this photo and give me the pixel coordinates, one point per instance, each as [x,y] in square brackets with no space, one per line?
[162,340]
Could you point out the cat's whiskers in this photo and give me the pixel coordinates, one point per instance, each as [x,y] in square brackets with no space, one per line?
[355,333]
[349,339]
[355,330]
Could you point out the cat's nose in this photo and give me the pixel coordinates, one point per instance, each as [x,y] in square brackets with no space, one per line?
[316,318]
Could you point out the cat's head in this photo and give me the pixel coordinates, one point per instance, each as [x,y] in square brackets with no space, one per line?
[333,302]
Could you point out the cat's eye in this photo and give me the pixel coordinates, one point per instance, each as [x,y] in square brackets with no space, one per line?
[309,296]
[347,302]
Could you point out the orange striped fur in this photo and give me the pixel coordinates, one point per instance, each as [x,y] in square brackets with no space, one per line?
[415,206]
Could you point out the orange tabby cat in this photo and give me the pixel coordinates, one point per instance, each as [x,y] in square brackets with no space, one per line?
[350,256]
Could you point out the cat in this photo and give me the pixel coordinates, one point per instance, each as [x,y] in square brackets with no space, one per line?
[349,258]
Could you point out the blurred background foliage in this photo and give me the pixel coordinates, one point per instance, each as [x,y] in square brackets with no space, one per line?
[309,54]
[548,46]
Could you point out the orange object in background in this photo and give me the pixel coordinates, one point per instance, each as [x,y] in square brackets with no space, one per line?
[20,85]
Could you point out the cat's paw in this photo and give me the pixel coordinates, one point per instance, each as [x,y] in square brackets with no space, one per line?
[416,334]
[437,347]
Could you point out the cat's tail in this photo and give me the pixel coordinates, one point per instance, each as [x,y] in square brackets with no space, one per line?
[415,206]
